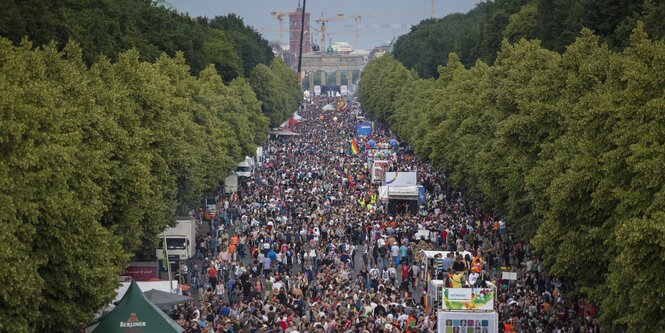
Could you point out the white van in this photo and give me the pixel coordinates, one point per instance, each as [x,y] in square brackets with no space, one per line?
[246,167]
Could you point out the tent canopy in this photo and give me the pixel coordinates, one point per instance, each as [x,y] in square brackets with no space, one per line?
[165,300]
[145,286]
[283,132]
[292,122]
[136,313]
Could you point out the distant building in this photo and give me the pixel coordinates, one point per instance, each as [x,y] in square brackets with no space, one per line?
[295,18]
[279,52]
[165,4]
[341,47]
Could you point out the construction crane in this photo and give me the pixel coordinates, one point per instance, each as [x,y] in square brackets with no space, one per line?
[322,20]
[280,17]
[357,18]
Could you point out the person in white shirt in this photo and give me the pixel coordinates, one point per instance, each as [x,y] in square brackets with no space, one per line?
[392,273]
[374,273]
[385,276]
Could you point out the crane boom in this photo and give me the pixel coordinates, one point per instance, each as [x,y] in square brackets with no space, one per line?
[322,20]
[280,17]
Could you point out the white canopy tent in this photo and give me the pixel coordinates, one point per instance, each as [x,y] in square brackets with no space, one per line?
[145,286]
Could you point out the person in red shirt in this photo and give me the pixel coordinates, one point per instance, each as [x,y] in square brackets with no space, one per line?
[212,276]
[405,269]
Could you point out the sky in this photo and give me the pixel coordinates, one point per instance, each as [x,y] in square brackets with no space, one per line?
[376,14]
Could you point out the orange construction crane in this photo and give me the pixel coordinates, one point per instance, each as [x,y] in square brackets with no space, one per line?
[280,17]
[322,20]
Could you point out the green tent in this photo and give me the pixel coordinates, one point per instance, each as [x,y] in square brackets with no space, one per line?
[136,314]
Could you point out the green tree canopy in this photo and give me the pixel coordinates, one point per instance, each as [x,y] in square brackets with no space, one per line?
[568,147]
[477,35]
[95,161]
[108,27]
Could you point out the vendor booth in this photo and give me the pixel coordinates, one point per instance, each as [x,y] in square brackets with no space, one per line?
[135,313]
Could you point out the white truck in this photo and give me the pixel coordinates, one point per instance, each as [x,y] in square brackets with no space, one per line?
[180,239]
[231,183]
[246,167]
[259,157]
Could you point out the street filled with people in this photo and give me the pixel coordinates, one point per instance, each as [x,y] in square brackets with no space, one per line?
[307,244]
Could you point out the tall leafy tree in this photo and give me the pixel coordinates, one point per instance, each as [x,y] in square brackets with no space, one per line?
[278,90]
[568,147]
[51,189]
[379,89]
[251,46]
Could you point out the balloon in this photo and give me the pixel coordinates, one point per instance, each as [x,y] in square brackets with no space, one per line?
[334,118]
[393,142]
[371,143]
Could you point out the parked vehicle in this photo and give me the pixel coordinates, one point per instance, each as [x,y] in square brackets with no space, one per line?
[231,183]
[246,168]
[180,239]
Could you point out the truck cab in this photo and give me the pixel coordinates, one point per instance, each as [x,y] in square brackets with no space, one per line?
[180,240]
[246,167]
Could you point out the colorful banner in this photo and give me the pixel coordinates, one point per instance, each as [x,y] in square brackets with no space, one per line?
[378,168]
[467,322]
[422,197]
[364,129]
[468,299]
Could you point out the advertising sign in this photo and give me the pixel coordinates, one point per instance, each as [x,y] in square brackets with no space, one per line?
[401,178]
[468,299]
[422,197]
[344,90]
[141,273]
[378,170]
[317,90]
[467,322]
[364,129]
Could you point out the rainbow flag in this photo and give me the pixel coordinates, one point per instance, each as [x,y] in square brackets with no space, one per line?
[354,147]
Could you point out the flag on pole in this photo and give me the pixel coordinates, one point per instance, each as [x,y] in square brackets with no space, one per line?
[165,254]
[165,262]
[354,147]
[427,281]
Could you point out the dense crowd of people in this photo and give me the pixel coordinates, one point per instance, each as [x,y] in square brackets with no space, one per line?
[306,245]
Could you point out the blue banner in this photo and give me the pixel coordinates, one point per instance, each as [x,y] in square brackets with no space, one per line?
[364,129]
